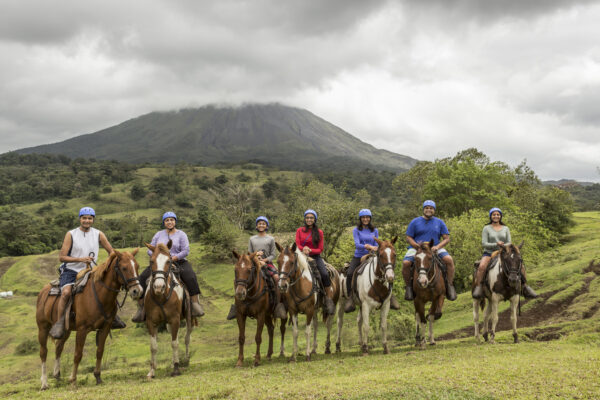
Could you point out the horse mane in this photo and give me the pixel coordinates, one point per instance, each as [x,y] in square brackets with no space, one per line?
[99,270]
[163,248]
[302,260]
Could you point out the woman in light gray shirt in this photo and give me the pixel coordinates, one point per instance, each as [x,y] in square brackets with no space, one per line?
[494,235]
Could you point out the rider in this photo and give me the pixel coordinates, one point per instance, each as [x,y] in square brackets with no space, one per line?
[265,246]
[494,235]
[79,250]
[309,239]
[364,241]
[179,250]
[424,229]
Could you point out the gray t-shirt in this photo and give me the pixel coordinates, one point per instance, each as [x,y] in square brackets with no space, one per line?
[490,237]
[264,243]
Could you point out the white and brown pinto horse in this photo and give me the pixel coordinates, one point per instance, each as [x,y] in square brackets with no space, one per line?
[163,303]
[503,283]
[374,287]
[428,286]
[297,284]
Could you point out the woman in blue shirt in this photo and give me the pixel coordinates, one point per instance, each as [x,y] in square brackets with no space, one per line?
[364,234]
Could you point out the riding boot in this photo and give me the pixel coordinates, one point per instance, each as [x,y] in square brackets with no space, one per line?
[479,274]
[329,305]
[478,292]
[408,293]
[528,292]
[279,308]
[118,323]
[140,315]
[450,292]
[197,310]
[58,329]
[232,312]
[349,305]
[394,304]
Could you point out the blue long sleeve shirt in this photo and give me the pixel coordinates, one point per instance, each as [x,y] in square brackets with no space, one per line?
[362,237]
[180,247]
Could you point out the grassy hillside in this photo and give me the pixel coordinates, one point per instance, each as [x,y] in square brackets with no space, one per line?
[560,334]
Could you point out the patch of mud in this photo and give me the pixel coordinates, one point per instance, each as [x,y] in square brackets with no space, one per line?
[595,268]
[545,334]
[5,264]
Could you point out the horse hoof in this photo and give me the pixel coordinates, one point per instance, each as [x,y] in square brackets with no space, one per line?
[432,344]
[99,381]
[313,352]
[57,376]
[485,337]
[308,358]
[239,364]
[327,350]
[149,378]
[45,387]
[256,363]
[176,373]
[281,355]
[292,359]
[338,348]
[386,350]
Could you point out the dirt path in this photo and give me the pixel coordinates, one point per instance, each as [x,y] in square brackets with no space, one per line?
[5,264]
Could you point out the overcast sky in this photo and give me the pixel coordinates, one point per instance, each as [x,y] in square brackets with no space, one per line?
[518,79]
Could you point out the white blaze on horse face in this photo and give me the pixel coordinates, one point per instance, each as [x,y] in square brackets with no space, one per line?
[422,278]
[159,280]
[389,273]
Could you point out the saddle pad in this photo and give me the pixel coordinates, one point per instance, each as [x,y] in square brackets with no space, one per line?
[54,288]
[363,265]
[81,282]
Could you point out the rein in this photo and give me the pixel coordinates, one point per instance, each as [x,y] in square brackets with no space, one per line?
[294,273]
[126,285]
[172,283]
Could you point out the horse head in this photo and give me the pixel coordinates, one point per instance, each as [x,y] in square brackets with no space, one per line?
[127,270]
[245,273]
[160,263]
[511,262]
[386,257]
[287,265]
[423,262]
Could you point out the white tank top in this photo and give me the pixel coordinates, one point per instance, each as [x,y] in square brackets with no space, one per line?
[84,243]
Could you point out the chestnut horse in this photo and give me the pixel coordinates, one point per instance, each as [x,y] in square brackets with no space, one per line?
[252,299]
[374,287]
[297,283]
[95,308]
[164,303]
[503,283]
[429,286]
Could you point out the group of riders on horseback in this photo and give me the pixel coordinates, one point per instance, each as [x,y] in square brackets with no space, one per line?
[81,246]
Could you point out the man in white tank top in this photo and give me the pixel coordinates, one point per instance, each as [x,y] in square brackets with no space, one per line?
[79,250]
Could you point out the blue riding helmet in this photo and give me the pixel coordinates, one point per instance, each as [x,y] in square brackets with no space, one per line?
[310,211]
[495,209]
[169,214]
[430,203]
[365,212]
[87,211]
[261,218]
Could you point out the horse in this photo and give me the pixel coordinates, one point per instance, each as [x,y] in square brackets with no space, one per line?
[374,288]
[163,303]
[252,299]
[95,308]
[429,286]
[297,284]
[503,283]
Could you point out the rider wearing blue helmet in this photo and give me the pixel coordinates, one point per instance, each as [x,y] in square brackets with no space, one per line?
[364,234]
[79,250]
[494,235]
[264,245]
[180,248]
[423,229]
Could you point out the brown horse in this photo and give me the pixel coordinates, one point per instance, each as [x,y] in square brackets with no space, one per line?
[95,308]
[298,285]
[252,299]
[428,286]
[503,283]
[164,303]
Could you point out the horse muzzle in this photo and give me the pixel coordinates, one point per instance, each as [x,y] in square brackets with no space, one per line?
[159,287]
[240,293]
[389,275]
[283,286]
[422,280]
[136,292]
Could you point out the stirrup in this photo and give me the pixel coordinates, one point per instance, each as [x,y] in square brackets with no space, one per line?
[232,313]
[408,293]
[349,305]
[118,323]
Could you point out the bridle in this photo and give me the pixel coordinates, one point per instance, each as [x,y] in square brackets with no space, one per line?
[250,284]
[164,275]
[425,271]
[125,284]
[294,273]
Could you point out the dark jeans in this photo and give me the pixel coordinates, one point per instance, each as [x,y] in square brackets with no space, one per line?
[322,270]
[187,274]
[350,271]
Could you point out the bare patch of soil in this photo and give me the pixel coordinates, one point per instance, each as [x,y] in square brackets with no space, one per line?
[595,268]
[5,264]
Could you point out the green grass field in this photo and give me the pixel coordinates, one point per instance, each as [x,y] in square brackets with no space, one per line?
[559,356]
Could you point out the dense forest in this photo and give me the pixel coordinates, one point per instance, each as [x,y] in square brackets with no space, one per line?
[42,193]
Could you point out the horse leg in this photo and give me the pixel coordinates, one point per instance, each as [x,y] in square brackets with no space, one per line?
[79,343]
[153,349]
[431,319]
[315,324]
[514,303]
[486,320]
[328,323]
[101,336]
[188,334]
[282,330]
[174,324]
[359,323]
[385,309]
[43,339]
[476,319]
[270,330]
[495,301]
[340,323]
[60,344]
[241,320]
[260,322]
[295,335]
[364,310]
[310,323]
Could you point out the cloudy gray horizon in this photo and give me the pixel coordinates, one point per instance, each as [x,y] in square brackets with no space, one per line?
[519,80]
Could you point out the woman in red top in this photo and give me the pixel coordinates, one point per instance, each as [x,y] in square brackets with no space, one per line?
[309,239]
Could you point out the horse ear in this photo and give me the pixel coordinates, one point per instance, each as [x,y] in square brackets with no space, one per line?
[394,239]
[378,241]
[521,245]
[294,247]
[169,244]
[235,254]
[133,253]
[117,253]
[279,248]
[150,247]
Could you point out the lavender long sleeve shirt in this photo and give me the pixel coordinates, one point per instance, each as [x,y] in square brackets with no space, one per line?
[181,244]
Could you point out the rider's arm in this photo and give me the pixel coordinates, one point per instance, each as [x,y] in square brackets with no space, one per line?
[64,256]
[444,242]
[357,244]
[411,241]
[184,245]
[105,243]
[319,249]
[508,238]
[271,251]
[298,240]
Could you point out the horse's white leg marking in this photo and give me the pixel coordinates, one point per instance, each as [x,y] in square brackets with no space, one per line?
[359,323]
[476,317]
[175,348]
[153,351]
[495,301]
[56,367]
[486,317]
[295,333]
[514,304]
[315,324]
[44,376]
[365,322]
[431,319]
[340,324]
[385,309]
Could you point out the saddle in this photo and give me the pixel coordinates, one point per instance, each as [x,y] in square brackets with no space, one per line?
[494,257]
[82,279]
[359,271]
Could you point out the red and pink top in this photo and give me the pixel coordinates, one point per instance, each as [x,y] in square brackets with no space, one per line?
[304,238]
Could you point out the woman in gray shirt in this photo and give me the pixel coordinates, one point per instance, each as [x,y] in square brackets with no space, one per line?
[264,245]
[494,235]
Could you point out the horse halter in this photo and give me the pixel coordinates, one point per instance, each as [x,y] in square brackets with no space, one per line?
[246,282]
[511,265]
[425,271]
[384,268]
[288,275]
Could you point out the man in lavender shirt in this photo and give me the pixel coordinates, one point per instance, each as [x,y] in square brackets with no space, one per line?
[179,250]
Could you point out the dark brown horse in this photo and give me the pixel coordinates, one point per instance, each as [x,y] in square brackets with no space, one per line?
[95,308]
[164,303]
[297,284]
[252,299]
[503,283]
[428,286]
